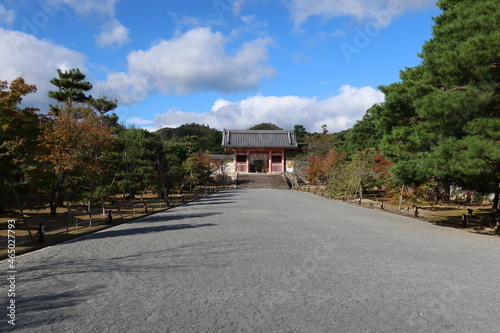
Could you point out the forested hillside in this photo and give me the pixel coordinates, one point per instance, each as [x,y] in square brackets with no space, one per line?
[210,139]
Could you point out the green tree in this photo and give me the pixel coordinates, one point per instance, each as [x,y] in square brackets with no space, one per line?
[138,157]
[355,175]
[208,138]
[71,92]
[366,133]
[442,118]
[265,126]
[197,168]
[319,144]
[103,105]
[300,132]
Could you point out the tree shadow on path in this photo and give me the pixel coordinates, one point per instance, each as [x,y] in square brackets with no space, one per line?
[144,230]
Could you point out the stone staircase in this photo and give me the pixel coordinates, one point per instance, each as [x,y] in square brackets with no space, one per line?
[261,180]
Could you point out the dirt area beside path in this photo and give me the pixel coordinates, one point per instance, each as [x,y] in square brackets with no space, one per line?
[473,217]
[24,232]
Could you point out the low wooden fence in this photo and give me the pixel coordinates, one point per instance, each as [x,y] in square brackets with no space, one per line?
[459,217]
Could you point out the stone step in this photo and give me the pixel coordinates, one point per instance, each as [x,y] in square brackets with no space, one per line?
[261,180]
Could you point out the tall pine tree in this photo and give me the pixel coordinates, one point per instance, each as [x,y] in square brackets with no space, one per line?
[71,94]
[450,131]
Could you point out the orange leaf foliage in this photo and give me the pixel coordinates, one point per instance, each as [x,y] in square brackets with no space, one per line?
[68,144]
[320,168]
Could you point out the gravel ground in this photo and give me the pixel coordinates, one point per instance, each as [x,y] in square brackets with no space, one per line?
[262,261]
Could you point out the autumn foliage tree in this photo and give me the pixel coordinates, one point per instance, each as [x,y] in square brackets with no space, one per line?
[73,143]
[19,129]
[321,169]
[70,153]
[78,153]
[367,169]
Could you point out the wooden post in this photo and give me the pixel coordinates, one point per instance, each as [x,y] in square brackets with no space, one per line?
[464,221]
[41,233]
[401,197]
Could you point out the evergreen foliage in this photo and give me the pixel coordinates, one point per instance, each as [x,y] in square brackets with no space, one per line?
[441,121]
[72,88]
[265,126]
[210,139]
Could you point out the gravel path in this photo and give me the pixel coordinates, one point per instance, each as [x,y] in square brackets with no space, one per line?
[262,261]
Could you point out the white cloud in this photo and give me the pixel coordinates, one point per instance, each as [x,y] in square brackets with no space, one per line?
[100,7]
[192,62]
[220,103]
[185,20]
[302,10]
[239,4]
[36,61]
[300,57]
[338,112]
[138,121]
[113,34]
[7,16]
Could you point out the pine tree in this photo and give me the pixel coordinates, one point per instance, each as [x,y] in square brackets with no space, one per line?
[72,88]
[450,129]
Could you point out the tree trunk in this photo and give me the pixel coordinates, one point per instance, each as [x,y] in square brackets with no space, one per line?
[496,199]
[60,199]
[53,208]
[53,202]
[360,190]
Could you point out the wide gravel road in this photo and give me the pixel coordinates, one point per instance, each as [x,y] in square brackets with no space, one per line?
[262,261]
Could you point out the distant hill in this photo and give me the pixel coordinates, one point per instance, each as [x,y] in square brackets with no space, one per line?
[265,126]
[211,137]
[187,130]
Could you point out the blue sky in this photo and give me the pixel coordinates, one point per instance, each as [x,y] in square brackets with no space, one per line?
[224,63]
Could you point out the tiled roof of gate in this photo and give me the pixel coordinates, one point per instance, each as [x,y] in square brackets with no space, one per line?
[259,138]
